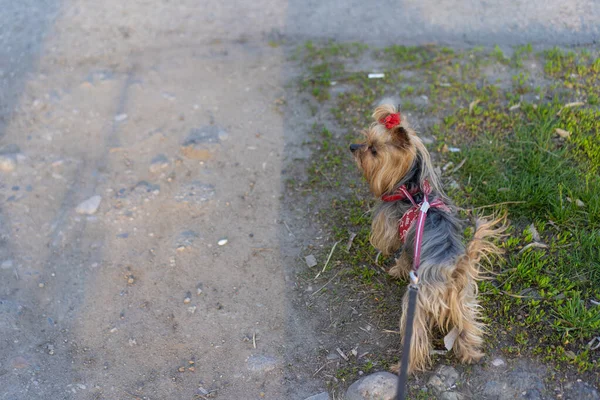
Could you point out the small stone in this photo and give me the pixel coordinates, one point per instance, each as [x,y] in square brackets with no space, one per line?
[89,206]
[311,261]
[377,386]
[132,342]
[7,264]
[181,248]
[130,280]
[579,203]
[113,330]
[498,362]
[222,242]
[191,362]
[192,369]
[181,369]
[41,285]
[187,300]
[320,396]
[8,163]
[581,390]
[260,363]
[192,309]
[120,117]
[19,363]
[444,379]
[158,163]
[203,142]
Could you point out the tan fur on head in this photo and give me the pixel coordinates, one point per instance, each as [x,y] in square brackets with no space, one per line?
[388,154]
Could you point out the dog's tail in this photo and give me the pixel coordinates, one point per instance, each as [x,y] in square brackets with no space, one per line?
[462,302]
[487,232]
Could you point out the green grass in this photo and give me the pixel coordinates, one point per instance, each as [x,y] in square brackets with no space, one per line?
[539,300]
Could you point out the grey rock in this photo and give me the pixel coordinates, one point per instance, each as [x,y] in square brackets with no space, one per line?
[8,163]
[444,379]
[377,386]
[201,143]
[260,363]
[518,384]
[204,135]
[320,396]
[498,362]
[10,149]
[89,206]
[311,261]
[195,192]
[583,391]
[159,163]
[450,396]
[494,389]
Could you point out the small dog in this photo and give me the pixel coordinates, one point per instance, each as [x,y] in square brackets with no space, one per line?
[392,155]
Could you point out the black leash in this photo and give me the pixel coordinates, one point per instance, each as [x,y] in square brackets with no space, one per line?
[413,290]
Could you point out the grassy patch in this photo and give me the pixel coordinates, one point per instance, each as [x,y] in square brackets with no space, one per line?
[503,114]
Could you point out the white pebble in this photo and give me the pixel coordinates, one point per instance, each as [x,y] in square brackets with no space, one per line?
[7,163]
[222,242]
[90,206]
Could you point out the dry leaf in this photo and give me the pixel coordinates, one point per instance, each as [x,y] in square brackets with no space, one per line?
[569,105]
[450,338]
[534,233]
[562,133]
[515,107]
[473,104]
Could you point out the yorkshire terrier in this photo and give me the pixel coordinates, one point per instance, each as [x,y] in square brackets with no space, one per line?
[392,156]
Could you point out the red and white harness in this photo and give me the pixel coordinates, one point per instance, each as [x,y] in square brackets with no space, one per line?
[418,213]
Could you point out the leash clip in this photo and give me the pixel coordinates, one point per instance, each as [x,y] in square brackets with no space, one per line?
[425,206]
[413,278]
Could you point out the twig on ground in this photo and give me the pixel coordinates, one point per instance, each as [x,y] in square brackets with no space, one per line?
[350,241]
[328,258]
[534,244]
[288,228]
[328,282]
[459,166]
[341,353]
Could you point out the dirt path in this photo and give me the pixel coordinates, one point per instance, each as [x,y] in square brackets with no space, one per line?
[183,283]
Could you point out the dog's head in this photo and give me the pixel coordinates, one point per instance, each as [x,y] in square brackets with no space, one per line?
[388,151]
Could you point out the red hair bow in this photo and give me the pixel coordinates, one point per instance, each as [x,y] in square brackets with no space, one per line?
[391,120]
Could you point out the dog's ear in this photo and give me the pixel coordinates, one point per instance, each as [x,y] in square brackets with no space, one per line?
[400,136]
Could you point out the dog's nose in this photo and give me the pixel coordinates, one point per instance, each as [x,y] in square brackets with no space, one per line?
[354,147]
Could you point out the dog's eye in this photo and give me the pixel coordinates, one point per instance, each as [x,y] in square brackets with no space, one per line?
[373,150]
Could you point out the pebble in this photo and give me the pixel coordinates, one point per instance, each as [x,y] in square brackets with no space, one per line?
[311,261]
[320,396]
[19,363]
[195,192]
[498,362]
[222,242]
[8,163]
[202,143]
[121,117]
[444,378]
[260,363]
[377,386]
[158,163]
[89,206]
